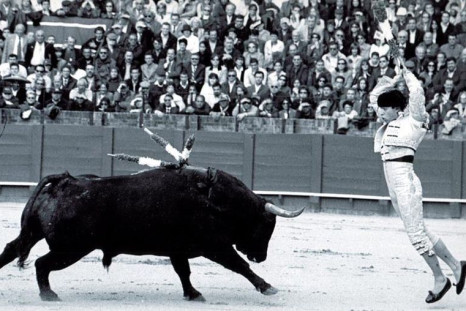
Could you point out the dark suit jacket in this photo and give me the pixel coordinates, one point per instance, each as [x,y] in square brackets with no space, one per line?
[225,87]
[263,92]
[301,74]
[72,82]
[49,53]
[458,78]
[376,74]
[171,42]
[313,77]
[442,36]
[199,75]
[133,86]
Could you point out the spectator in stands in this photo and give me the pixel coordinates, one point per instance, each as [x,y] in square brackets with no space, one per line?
[198,107]
[364,47]
[286,112]
[108,11]
[354,59]
[196,71]
[122,98]
[443,99]
[217,68]
[38,51]
[5,67]
[176,100]
[15,43]
[245,109]
[297,71]
[452,48]
[249,73]
[445,29]
[39,72]
[81,103]
[428,74]
[55,101]
[273,49]
[81,89]
[148,68]
[259,88]
[305,111]
[223,108]
[451,72]
[267,109]
[382,70]
[343,71]
[379,46]
[102,92]
[331,58]
[323,112]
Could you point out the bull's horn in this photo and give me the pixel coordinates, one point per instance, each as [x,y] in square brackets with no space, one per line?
[269,207]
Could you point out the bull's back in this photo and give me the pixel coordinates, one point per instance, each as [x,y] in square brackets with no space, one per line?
[154,212]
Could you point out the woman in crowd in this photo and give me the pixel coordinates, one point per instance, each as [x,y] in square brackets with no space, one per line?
[217,68]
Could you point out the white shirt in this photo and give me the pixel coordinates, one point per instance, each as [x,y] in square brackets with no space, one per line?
[38,56]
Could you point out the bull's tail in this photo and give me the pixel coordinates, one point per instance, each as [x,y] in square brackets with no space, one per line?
[31,231]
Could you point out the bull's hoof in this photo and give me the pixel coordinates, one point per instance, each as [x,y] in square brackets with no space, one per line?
[49,296]
[267,289]
[199,298]
[270,291]
[194,295]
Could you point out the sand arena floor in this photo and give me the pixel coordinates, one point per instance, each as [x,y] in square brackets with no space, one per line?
[317,261]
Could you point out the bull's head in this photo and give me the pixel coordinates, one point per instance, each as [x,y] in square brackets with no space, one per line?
[251,218]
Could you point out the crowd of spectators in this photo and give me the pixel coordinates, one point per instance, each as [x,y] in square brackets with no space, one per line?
[311,59]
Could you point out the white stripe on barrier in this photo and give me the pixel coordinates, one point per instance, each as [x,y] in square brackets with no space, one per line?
[291,194]
[349,196]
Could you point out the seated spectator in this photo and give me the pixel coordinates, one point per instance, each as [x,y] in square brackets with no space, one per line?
[452,122]
[286,112]
[199,107]
[218,68]
[40,72]
[245,109]
[273,50]
[452,48]
[175,100]
[208,89]
[148,69]
[81,103]
[367,116]
[305,111]
[331,58]
[267,109]
[223,108]
[342,72]
[81,89]
[258,88]
[109,11]
[122,98]
[101,93]
[167,106]
[379,45]
[5,67]
[88,10]
[249,73]
[7,100]
[323,111]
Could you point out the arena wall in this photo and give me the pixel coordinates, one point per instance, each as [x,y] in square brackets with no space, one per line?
[266,160]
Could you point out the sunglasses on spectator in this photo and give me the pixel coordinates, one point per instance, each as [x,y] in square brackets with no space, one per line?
[233,76]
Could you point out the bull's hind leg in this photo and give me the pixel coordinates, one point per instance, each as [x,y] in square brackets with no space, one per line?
[230,259]
[53,261]
[181,266]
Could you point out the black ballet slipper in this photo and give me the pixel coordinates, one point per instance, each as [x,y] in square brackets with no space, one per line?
[460,285]
[431,298]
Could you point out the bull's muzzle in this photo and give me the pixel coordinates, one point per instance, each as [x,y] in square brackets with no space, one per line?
[283,212]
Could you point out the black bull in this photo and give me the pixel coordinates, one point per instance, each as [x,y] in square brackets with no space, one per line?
[179,213]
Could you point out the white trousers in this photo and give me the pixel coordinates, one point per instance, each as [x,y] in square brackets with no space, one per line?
[405,191]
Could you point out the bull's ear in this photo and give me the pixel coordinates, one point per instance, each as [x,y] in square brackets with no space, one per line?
[212,174]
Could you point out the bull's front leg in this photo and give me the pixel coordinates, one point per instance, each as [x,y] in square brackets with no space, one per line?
[230,259]
[181,266]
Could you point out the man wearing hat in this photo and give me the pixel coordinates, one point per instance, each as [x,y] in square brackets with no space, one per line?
[244,109]
[57,100]
[192,41]
[144,35]
[120,35]
[223,108]
[397,141]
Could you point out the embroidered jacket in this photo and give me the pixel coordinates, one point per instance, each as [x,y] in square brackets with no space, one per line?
[408,130]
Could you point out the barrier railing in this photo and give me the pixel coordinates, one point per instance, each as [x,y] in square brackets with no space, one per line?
[208,123]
